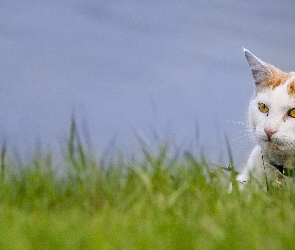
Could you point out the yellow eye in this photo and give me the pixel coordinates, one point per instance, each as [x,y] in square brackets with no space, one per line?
[291,113]
[264,109]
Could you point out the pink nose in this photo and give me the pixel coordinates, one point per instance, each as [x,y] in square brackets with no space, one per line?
[269,132]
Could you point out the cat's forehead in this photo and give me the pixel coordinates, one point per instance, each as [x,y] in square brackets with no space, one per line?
[280,95]
[291,84]
[286,81]
[276,78]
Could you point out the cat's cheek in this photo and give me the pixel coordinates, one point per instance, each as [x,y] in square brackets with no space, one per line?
[255,119]
[252,119]
[252,126]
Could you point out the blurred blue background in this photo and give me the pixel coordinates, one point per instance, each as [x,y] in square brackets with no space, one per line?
[161,69]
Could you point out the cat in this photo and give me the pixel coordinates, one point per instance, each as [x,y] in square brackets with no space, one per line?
[272,122]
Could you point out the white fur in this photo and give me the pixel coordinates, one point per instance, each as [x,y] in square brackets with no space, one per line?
[281,148]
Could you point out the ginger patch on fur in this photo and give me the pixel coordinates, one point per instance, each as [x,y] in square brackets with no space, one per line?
[291,88]
[277,77]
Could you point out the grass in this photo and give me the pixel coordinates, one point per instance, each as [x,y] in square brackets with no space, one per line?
[159,203]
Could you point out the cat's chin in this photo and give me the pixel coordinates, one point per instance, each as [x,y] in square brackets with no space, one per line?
[274,146]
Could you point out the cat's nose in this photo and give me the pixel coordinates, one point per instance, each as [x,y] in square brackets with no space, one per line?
[269,132]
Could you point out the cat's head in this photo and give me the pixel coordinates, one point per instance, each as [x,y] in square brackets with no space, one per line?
[272,108]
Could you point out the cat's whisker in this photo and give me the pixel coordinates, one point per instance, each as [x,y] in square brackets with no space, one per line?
[239,132]
[249,130]
[233,122]
[246,135]
[242,143]
[239,138]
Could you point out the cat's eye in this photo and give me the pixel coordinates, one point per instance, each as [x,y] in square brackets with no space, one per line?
[291,113]
[264,109]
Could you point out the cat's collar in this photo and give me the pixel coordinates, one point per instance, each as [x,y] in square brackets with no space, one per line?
[283,170]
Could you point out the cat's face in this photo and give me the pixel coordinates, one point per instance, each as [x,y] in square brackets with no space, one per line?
[272,109]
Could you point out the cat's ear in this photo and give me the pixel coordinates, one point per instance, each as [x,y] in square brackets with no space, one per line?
[259,69]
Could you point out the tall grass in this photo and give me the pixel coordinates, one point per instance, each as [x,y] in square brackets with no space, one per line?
[161,202]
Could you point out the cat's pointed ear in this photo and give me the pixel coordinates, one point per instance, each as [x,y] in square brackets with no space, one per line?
[259,69]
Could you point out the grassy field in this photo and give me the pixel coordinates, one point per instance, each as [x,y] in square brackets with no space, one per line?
[158,203]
